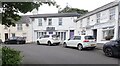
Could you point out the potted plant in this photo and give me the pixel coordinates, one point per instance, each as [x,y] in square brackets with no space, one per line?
[108,37]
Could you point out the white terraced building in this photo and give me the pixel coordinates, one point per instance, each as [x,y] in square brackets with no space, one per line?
[22,29]
[61,24]
[103,23]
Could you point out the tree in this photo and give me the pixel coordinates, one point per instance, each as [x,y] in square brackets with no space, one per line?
[67,9]
[11,9]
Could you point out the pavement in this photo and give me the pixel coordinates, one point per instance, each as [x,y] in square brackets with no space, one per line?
[99,46]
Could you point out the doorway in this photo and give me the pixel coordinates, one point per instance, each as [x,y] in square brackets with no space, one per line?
[95,33]
[6,36]
[71,33]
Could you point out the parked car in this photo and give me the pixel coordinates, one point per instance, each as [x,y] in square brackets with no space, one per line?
[48,39]
[15,40]
[112,48]
[80,42]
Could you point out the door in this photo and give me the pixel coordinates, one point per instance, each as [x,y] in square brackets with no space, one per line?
[95,33]
[6,36]
[71,33]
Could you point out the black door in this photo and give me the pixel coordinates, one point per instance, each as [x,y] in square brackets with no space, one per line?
[95,33]
[6,36]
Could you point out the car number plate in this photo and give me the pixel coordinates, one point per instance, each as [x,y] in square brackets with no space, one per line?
[92,44]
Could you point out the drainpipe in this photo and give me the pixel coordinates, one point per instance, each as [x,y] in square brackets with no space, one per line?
[119,19]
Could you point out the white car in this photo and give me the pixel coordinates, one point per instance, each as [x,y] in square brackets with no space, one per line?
[80,42]
[48,39]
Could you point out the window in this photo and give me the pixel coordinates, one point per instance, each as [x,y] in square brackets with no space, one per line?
[19,27]
[60,21]
[50,32]
[80,23]
[46,36]
[98,17]
[50,22]
[62,35]
[40,34]
[88,20]
[5,27]
[89,37]
[39,22]
[108,34]
[13,34]
[112,13]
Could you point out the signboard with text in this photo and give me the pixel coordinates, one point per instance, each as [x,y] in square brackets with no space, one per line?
[50,28]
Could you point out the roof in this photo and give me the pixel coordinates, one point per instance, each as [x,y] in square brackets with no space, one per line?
[102,8]
[56,15]
[24,19]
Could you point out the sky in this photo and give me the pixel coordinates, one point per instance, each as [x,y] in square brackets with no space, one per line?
[81,4]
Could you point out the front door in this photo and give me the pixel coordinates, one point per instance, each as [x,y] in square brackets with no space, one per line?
[95,33]
[71,33]
[6,36]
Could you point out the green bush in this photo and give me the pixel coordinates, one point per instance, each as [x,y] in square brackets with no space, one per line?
[10,57]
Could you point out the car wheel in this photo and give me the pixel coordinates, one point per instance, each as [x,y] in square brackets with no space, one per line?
[38,43]
[49,43]
[64,45]
[109,52]
[79,47]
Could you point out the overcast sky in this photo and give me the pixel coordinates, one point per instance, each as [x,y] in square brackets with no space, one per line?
[81,4]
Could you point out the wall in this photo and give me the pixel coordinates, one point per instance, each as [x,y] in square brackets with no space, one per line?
[68,24]
[104,22]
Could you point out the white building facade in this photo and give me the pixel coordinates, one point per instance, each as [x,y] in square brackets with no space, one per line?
[102,23]
[22,29]
[61,24]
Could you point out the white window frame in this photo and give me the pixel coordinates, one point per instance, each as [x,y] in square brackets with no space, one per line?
[49,22]
[19,27]
[112,13]
[40,22]
[60,21]
[88,21]
[98,15]
[81,22]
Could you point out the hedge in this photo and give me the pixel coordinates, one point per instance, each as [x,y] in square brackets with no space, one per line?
[10,57]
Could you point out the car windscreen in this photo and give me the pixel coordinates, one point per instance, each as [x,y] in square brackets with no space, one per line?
[89,37]
[55,36]
[77,37]
[13,38]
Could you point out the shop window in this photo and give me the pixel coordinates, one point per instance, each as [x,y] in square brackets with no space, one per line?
[108,34]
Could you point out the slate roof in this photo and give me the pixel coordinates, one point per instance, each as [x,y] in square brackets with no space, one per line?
[24,19]
[55,15]
[102,8]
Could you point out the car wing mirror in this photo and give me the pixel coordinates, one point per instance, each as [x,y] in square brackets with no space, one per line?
[69,39]
[40,37]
